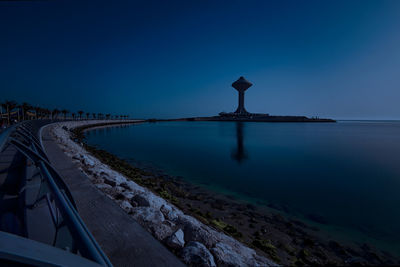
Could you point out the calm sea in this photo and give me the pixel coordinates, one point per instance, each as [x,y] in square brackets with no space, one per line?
[343,177]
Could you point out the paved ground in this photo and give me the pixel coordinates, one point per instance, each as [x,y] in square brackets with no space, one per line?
[124,241]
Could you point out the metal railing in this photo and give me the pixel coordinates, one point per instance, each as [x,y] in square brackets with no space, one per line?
[70,233]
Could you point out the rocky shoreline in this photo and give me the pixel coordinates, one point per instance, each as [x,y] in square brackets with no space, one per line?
[264,231]
[194,242]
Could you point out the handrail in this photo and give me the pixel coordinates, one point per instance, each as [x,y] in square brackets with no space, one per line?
[83,239]
[87,245]
[33,155]
[35,143]
[4,137]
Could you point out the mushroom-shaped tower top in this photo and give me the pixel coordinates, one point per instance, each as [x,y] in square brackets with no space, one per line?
[241,84]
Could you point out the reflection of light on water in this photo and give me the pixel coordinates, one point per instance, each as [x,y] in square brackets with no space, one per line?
[240,154]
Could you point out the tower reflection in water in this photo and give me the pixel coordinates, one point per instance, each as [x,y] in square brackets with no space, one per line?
[240,153]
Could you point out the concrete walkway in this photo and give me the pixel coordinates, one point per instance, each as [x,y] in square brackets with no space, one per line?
[124,241]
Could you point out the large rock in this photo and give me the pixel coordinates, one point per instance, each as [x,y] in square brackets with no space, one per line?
[141,200]
[128,195]
[238,255]
[108,180]
[128,185]
[116,193]
[176,240]
[126,206]
[169,212]
[98,180]
[196,254]
[196,232]
[104,187]
[160,231]
[226,257]
[88,161]
[148,215]
[125,186]
[153,221]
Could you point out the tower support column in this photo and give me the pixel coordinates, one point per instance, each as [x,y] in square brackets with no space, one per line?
[241,85]
[241,109]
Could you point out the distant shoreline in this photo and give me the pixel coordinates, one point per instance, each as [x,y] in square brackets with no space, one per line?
[281,119]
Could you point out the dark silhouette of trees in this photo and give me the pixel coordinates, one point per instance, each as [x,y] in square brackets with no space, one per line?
[65,112]
[9,106]
[47,113]
[25,107]
[54,114]
[25,111]
[80,112]
[37,111]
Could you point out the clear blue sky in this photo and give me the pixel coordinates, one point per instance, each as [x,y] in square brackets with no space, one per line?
[338,59]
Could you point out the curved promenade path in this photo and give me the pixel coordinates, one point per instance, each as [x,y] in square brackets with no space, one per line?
[124,241]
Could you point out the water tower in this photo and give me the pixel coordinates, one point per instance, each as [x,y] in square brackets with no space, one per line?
[241,85]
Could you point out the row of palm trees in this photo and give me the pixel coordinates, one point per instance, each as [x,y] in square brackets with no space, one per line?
[25,111]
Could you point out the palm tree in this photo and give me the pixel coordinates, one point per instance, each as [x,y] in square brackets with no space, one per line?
[25,108]
[42,113]
[3,105]
[99,115]
[1,114]
[9,106]
[65,112]
[87,115]
[47,112]
[37,111]
[73,116]
[55,113]
[94,115]
[18,112]
[80,112]
[108,116]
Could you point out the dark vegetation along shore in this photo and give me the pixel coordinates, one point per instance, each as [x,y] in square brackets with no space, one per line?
[285,240]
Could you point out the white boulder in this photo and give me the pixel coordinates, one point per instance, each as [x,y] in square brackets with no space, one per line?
[176,240]
[126,206]
[196,254]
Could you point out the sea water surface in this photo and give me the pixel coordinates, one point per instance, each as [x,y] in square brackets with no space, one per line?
[343,177]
